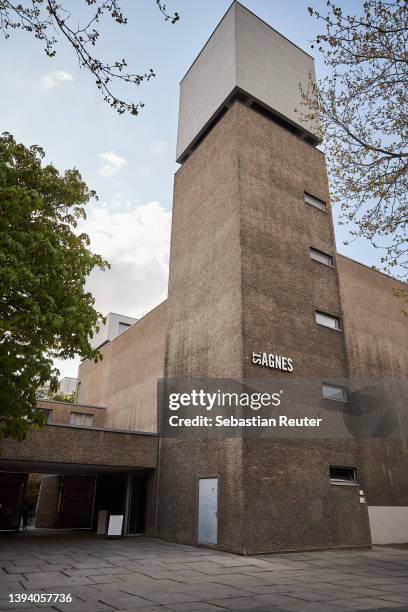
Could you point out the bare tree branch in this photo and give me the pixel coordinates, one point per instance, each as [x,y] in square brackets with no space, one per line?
[363,108]
[49,20]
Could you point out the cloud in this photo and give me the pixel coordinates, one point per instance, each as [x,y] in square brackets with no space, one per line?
[136,242]
[159,146]
[52,79]
[113,163]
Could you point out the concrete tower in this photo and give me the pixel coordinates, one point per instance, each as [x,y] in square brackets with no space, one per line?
[251,200]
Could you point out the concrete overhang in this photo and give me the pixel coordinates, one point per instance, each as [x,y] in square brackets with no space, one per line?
[75,448]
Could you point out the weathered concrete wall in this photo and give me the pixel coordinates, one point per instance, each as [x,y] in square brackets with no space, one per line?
[290,501]
[125,381]
[61,412]
[376,332]
[204,329]
[242,280]
[204,299]
[182,463]
[83,446]
[281,285]
[376,328]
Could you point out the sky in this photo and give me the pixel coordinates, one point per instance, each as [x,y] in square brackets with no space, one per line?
[130,161]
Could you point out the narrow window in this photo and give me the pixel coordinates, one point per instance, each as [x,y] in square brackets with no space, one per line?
[123,326]
[321,257]
[342,475]
[81,419]
[88,420]
[315,202]
[327,320]
[334,392]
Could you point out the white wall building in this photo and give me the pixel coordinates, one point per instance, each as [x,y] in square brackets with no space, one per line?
[115,324]
[67,385]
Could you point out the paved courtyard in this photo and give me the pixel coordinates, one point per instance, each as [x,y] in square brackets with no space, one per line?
[141,574]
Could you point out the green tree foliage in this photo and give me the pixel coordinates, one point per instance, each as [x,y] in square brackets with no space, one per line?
[363,106]
[52,20]
[63,397]
[45,311]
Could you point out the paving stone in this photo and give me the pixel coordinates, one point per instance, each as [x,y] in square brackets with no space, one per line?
[196,607]
[260,589]
[208,591]
[147,609]
[401,599]
[92,564]
[57,579]
[27,609]
[168,597]
[136,577]
[82,606]
[191,577]
[22,569]
[123,602]
[236,603]
[365,603]
[10,579]
[108,575]
[105,579]
[95,571]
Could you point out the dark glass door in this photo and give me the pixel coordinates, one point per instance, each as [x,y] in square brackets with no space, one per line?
[137,504]
[76,502]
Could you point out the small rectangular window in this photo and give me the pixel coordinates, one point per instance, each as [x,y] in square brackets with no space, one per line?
[81,419]
[47,413]
[342,475]
[327,320]
[334,392]
[315,202]
[88,420]
[321,257]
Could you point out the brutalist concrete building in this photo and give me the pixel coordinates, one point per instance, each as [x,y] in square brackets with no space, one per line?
[253,271]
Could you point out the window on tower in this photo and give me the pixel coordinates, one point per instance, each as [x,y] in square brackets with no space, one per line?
[321,257]
[342,475]
[309,199]
[334,392]
[327,320]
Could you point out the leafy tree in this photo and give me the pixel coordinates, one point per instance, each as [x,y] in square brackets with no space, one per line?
[64,397]
[45,311]
[363,106]
[44,393]
[52,20]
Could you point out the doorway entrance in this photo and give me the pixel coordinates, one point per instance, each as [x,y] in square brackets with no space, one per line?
[136,506]
[12,492]
[34,500]
[76,502]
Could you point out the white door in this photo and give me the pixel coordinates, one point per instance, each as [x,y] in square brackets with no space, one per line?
[207,510]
